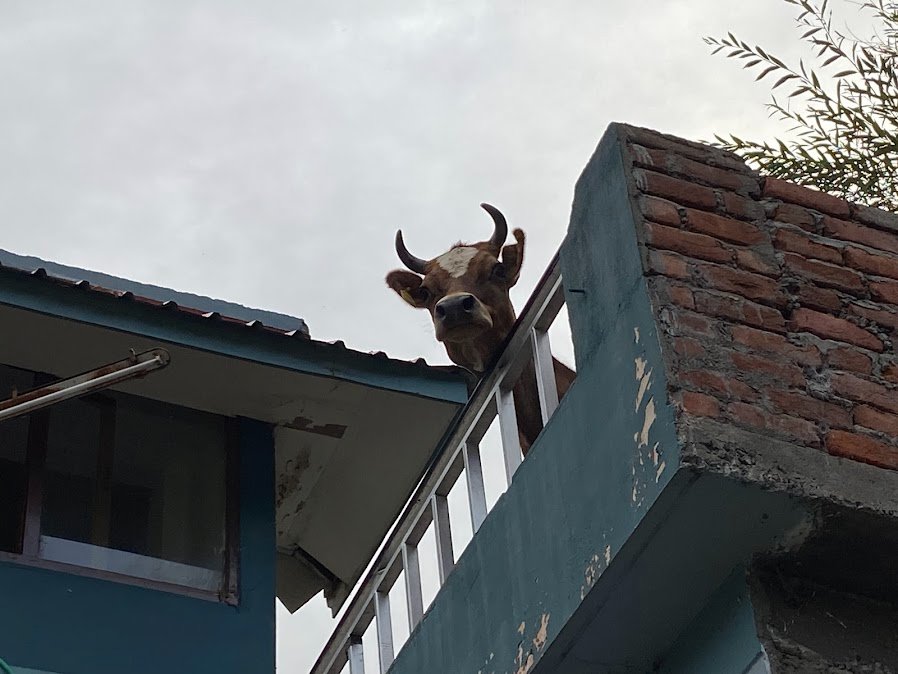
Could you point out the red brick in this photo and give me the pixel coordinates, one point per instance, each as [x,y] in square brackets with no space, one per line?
[850,231]
[687,243]
[890,372]
[737,309]
[800,429]
[700,404]
[747,414]
[741,207]
[881,265]
[770,342]
[862,448]
[872,418]
[843,358]
[728,229]
[743,283]
[795,215]
[687,347]
[660,210]
[668,264]
[794,242]
[780,372]
[680,191]
[674,162]
[637,136]
[875,217]
[800,405]
[751,261]
[794,429]
[695,323]
[681,296]
[823,299]
[880,316]
[833,276]
[832,327]
[884,291]
[723,385]
[864,391]
[774,188]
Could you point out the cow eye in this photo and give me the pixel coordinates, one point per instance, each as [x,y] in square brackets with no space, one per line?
[424,294]
[498,272]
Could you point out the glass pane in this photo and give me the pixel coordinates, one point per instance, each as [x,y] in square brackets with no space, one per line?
[70,473]
[136,487]
[13,445]
[168,483]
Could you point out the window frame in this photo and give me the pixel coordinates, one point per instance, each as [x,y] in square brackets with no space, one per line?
[35,461]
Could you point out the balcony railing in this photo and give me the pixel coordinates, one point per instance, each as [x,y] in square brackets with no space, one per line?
[460,453]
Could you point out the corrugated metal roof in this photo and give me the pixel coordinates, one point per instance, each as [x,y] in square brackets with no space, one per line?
[166,299]
[153,295]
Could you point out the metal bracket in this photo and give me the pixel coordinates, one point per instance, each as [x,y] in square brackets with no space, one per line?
[136,365]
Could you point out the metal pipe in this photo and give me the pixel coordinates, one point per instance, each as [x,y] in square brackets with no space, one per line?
[83,384]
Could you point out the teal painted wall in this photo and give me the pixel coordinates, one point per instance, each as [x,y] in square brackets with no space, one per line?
[76,625]
[722,639]
[599,465]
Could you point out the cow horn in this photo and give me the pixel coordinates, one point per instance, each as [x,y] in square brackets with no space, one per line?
[416,264]
[501,230]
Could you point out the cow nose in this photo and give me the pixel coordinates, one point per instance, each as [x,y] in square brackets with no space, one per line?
[455,307]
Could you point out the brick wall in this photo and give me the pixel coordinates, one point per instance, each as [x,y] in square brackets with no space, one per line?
[778,304]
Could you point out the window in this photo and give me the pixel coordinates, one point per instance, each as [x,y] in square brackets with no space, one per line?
[117,484]
[13,476]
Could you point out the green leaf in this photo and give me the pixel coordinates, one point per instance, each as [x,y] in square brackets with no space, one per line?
[766,71]
[783,80]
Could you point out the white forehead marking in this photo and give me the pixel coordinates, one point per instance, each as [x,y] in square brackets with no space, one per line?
[456,261]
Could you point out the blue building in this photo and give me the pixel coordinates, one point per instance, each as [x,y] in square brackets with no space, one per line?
[148,525]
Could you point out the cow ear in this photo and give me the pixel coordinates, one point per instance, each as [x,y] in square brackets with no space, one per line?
[408,286]
[513,257]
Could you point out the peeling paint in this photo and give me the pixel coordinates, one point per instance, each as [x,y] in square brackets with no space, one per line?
[593,570]
[644,377]
[542,634]
[641,364]
[636,333]
[524,665]
[649,419]
[660,470]
[524,662]
[301,423]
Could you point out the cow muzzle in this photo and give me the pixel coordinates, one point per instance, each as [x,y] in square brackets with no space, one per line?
[459,317]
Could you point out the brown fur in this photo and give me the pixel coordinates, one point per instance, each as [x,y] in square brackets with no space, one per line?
[489,278]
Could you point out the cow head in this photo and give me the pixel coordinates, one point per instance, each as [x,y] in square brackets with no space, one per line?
[466,292]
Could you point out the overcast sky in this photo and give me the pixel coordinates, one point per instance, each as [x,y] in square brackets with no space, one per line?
[265,152]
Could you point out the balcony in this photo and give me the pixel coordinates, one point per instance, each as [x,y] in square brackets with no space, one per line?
[696,483]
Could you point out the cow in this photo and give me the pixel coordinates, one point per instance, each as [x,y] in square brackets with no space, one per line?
[466,292]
